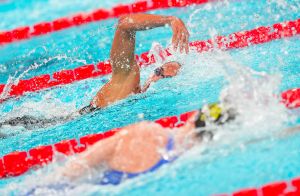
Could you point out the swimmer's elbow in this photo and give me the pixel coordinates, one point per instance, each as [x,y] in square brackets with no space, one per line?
[124,23]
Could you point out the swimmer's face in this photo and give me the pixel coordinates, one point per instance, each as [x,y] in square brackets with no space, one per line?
[171,68]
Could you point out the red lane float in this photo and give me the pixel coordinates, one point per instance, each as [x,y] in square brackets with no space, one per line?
[234,40]
[282,188]
[17,163]
[23,33]
[291,98]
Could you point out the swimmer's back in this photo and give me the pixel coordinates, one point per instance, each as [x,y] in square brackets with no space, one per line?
[129,153]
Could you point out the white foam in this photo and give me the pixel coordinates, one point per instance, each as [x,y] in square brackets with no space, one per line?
[251,93]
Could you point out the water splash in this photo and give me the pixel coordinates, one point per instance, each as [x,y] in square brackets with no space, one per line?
[16,77]
[255,97]
[250,92]
[158,53]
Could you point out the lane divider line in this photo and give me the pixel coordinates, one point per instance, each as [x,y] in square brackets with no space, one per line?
[240,39]
[18,163]
[284,188]
[42,28]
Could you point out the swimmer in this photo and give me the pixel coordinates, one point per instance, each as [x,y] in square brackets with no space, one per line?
[125,79]
[142,148]
[145,146]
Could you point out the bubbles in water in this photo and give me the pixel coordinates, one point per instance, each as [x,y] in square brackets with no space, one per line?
[158,53]
[39,51]
[3,68]
[280,3]
[254,96]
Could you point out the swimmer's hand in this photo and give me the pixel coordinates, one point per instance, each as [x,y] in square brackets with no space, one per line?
[181,35]
[74,169]
[150,80]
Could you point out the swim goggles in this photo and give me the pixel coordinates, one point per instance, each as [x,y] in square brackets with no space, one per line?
[160,72]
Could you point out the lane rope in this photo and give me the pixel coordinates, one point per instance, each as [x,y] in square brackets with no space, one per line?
[43,28]
[18,163]
[240,39]
[283,188]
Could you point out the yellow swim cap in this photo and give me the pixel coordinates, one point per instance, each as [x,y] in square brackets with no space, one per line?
[212,112]
[215,111]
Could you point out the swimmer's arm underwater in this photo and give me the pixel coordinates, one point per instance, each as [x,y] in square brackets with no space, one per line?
[280,135]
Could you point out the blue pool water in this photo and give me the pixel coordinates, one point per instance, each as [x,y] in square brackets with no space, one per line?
[90,43]
[229,163]
[13,12]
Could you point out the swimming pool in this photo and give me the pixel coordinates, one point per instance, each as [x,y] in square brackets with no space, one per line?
[202,79]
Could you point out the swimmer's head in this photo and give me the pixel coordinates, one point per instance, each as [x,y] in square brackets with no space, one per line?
[169,69]
[201,131]
[212,114]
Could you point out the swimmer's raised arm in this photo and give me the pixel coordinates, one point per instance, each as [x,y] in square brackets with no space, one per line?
[122,51]
[140,22]
[125,78]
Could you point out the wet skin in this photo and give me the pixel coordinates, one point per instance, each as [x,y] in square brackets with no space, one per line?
[125,78]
